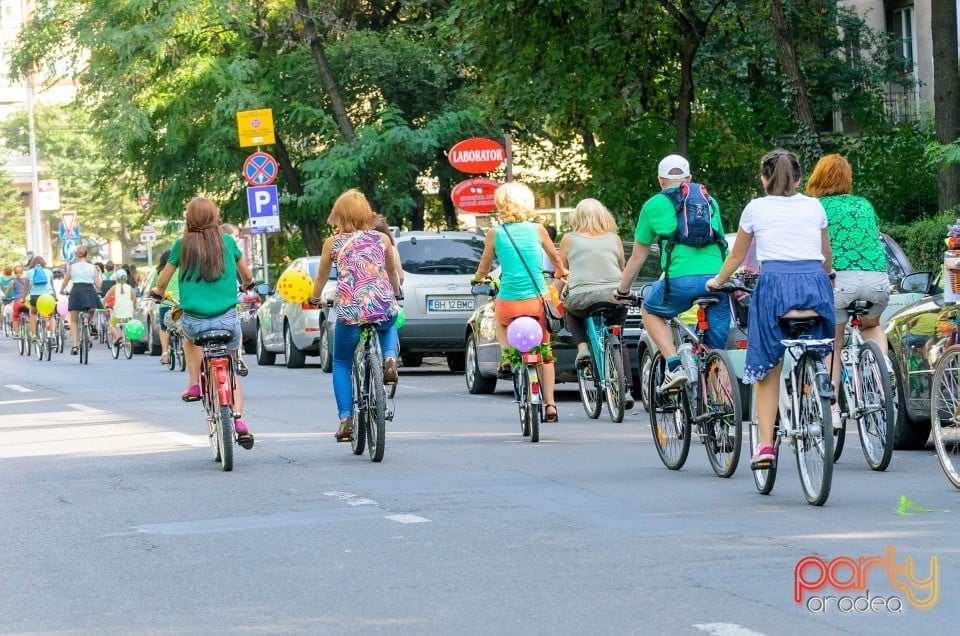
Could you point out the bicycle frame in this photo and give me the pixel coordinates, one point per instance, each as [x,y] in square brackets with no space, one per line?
[218,366]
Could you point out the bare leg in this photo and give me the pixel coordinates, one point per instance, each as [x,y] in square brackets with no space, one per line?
[164,342]
[768,398]
[194,357]
[659,330]
[74,328]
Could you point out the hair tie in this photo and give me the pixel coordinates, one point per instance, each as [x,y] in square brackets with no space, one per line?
[201,229]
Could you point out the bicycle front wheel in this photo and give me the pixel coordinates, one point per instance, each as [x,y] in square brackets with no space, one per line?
[359,440]
[945,413]
[814,435]
[722,412]
[589,384]
[669,418]
[376,408]
[876,417]
[615,383]
[128,348]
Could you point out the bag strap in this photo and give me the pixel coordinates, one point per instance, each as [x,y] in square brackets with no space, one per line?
[523,262]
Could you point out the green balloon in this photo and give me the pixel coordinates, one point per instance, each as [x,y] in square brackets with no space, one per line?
[133,329]
[401,318]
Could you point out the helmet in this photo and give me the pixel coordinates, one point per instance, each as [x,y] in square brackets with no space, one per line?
[120,273]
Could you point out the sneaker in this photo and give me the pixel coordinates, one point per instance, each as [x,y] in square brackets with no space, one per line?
[583,360]
[390,370]
[673,379]
[242,369]
[764,458]
[837,418]
[244,437]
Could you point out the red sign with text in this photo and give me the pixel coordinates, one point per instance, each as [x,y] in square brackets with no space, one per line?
[477,155]
[475,195]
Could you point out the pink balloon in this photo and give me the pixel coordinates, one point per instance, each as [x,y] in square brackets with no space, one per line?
[62,305]
[524,333]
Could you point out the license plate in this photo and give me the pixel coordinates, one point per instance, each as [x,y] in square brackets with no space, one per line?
[633,310]
[449,304]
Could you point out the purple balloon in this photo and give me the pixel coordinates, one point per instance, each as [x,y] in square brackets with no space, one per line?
[524,333]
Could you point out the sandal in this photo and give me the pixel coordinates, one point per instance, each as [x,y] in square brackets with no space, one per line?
[192,394]
[244,437]
[73,351]
[548,417]
[345,432]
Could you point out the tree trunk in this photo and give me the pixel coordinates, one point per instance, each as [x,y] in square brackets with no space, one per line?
[691,43]
[309,228]
[791,68]
[326,75]
[946,95]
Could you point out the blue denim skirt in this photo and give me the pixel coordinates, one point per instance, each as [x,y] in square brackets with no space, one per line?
[782,286]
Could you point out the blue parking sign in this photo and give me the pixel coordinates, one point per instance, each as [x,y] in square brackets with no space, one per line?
[264,209]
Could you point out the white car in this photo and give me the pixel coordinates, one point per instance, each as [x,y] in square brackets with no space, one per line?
[296,330]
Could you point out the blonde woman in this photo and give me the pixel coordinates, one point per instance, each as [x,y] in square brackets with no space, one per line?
[593,252]
[520,294]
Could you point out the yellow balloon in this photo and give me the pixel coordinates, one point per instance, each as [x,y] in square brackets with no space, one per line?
[295,286]
[46,304]
[553,293]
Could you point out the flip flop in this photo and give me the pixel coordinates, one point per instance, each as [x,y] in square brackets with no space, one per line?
[192,394]
[550,418]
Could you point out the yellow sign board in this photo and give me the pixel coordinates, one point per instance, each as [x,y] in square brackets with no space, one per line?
[255,127]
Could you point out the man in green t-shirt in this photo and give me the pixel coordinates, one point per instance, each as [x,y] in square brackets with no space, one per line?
[689,269]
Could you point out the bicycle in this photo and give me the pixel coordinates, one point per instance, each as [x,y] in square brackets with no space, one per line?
[60,332]
[370,412]
[217,386]
[23,333]
[603,380]
[102,321]
[43,338]
[175,356]
[83,337]
[710,398]
[945,406]
[803,413]
[6,313]
[124,343]
[866,394]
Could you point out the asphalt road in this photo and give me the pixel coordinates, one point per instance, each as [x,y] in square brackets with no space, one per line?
[116,520]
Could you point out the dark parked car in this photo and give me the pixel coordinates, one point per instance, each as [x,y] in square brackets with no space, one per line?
[916,336]
[483,350]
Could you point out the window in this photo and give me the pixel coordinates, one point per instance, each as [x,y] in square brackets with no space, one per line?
[903,29]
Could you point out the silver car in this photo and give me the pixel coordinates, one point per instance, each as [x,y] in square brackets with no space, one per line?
[296,330]
[437,268]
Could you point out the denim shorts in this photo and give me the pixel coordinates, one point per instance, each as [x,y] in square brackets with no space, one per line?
[192,326]
[683,290]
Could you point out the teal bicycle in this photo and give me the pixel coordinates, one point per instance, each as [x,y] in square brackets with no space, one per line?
[602,380]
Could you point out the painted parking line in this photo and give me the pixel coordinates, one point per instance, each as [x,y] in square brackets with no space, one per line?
[352,499]
[407,518]
[18,388]
[24,401]
[727,629]
[86,409]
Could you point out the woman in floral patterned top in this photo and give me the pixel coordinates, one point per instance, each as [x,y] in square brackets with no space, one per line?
[368,285]
[858,254]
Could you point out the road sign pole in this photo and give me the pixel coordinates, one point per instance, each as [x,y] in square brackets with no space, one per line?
[264,260]
[150,254]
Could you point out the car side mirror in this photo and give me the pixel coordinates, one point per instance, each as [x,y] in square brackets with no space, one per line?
[917,282]
[263,289]
[645,290]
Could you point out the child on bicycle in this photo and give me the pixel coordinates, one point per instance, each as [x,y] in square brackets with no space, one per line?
[208,263]
[793,249]
[123,299]
[368,285]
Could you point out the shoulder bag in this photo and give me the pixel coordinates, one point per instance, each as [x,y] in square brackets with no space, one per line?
[551,313]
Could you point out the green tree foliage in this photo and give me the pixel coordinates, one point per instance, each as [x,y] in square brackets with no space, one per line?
[13,227]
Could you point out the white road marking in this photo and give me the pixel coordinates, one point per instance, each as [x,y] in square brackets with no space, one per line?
[188,440]
[26,401]
[85,408]
[407,518]
[18,388]
[727,629]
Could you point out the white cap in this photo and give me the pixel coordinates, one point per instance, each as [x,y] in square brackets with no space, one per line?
[670,165]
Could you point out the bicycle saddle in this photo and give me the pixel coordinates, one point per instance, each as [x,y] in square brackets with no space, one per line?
[799,321]
[214,336]
[859,306]
[706,301]
[606,308]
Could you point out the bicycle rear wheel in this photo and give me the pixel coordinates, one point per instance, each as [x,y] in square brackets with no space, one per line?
[669,418]
[359,440]
[114,349]
[224,426]
[23,339]
[41,339]
[172,341]
[616,385]
[876,418]
[765,478]
[84,343]
[520,395]
[945,413]
[181,356]
[814,441]
[588,381]
[376,408]
[534,403]
[721,403]
[127,346]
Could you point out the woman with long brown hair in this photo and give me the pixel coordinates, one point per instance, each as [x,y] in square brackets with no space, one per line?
[208,263]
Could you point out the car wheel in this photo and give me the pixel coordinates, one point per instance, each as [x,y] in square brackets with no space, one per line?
[412,359]
[264,358]
[477,384]
[325,348]
[295,357]
[907,434]
[456,362]
[250,345]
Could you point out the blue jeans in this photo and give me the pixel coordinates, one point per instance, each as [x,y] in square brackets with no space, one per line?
[345,340]
[682,292]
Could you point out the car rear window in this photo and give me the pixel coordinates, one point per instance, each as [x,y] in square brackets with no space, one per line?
[440,255]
